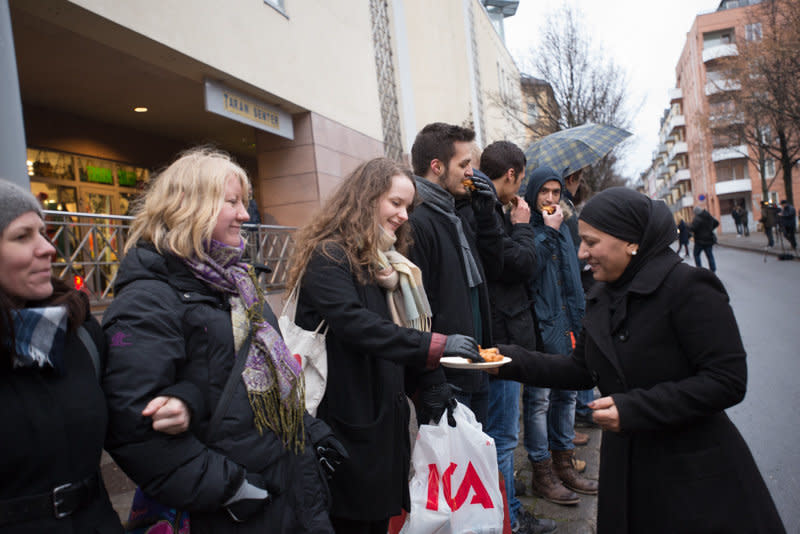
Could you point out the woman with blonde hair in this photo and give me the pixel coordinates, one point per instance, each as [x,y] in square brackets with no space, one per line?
[351,273]
[189,328]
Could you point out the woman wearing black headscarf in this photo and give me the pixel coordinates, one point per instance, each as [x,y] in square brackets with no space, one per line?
[661,343]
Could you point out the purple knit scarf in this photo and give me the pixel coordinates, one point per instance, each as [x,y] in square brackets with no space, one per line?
[272,376]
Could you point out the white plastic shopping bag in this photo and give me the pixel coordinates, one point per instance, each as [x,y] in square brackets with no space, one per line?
[455,488]
[310,346]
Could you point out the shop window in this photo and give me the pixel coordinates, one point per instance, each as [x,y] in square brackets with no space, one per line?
[69,182]
[50,164]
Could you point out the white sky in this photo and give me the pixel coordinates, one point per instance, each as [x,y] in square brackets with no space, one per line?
[643,37]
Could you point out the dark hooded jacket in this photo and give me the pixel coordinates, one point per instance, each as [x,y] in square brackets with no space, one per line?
[170,334]
[702,227]
[662,341]
[556,284]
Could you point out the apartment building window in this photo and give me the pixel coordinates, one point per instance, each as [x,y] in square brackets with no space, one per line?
[717,38]
[533,112]
[769,168]
[752,32]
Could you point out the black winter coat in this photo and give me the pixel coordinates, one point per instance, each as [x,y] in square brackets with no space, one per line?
[55,427]
[512,309]
[702,227]
[170,334]
[437,253]
[365,396]
[673,362]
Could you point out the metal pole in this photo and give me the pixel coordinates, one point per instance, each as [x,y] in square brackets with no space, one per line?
[13,165]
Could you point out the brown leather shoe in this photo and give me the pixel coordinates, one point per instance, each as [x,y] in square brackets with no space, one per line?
[545,484]
[580,438]
[562,463]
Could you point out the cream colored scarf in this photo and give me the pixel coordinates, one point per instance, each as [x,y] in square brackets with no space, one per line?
[402,281]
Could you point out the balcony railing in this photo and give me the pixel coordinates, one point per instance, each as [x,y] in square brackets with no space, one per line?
[723,85]
[676,121]
[733,186]
[677,149]
[89,248]
[720,50]
[729,152]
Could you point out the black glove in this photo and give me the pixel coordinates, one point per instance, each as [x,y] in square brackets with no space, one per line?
[249,498]
[435,400]
[463,346]
[330,452]
[482,197]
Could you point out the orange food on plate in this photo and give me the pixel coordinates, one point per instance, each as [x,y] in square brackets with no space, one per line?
[491,354]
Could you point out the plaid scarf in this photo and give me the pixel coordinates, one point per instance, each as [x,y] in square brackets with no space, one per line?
[402,281]
[39,335]
[272,376]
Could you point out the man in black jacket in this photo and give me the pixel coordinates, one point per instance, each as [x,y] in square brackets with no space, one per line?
[503,163]
[446,249]
[702,227]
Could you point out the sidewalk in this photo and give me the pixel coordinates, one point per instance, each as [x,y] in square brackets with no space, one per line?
[755,242]
[580,518]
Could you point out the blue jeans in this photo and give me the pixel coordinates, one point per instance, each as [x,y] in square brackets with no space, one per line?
[709,254]
[549,416]
[503,426]
[477,401]
[584,397]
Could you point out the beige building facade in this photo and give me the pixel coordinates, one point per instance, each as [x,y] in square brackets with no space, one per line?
[299,92]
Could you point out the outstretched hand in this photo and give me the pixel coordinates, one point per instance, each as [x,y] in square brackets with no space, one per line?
[605,413]
[463,346]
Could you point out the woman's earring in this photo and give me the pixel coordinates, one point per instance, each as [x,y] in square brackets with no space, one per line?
[634,252]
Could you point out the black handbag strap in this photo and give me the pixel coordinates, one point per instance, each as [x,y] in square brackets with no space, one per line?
[230,386]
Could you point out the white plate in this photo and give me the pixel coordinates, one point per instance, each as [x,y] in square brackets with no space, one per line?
[458,362]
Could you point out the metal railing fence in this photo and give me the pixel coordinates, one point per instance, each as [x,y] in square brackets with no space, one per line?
[89,247]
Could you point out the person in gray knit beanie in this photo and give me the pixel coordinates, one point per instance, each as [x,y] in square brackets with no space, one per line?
[14,201]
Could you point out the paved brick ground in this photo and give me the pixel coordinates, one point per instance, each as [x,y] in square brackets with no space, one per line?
[120,488]
[577,519]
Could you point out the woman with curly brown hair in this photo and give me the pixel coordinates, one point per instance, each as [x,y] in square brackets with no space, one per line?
[351,273]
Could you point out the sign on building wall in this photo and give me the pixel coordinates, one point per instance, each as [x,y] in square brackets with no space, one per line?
[240,107]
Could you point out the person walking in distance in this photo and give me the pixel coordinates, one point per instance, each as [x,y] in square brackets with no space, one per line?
[683,236]
[702,227]
[788,219]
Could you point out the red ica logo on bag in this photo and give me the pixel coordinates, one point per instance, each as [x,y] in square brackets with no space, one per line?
[471,481]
